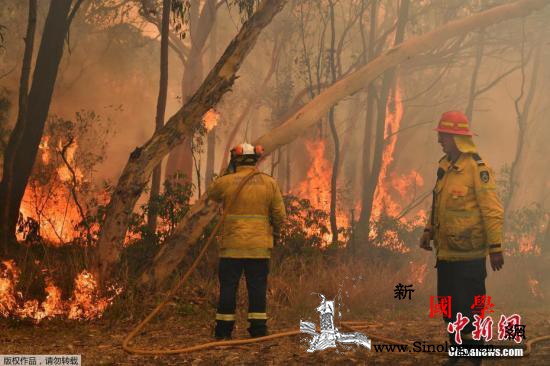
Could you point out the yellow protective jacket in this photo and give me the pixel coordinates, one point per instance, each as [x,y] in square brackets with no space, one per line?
[467,213]
[247,231]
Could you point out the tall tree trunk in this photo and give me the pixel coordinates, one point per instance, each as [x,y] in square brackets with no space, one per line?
[245,112]
[201,213]
[210,157]
[6,231]
[161,108]
[371,184]
[475,72]
[211,139]
[522,120]
[23,144]
[180,127]
[180,159]
[388,85]
[363,225]
[334,133]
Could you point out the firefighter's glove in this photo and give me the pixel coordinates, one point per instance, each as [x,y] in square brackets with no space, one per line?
[497,261]
[425,240]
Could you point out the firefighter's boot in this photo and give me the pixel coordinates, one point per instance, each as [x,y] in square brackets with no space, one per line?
[258,328]
[223,329]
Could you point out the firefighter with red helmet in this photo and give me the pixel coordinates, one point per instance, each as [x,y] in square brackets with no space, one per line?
[251,226]
[465,222]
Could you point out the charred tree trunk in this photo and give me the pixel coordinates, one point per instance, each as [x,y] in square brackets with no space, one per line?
[7,231]
[191,228]
[23,144]
[180,127]
[161,108]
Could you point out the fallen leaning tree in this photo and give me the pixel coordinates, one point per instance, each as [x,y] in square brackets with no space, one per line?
[181,126]
[191,228]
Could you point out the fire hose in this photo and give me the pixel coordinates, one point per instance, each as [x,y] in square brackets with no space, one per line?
[350,325]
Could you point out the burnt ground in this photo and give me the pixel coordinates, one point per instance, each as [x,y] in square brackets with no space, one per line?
[99,342]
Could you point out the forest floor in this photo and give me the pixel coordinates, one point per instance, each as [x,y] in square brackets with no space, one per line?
[99,342]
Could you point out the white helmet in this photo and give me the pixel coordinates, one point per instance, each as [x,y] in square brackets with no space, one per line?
[246,149]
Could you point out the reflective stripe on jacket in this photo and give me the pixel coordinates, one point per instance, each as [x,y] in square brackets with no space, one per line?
[259,209]
[468,215]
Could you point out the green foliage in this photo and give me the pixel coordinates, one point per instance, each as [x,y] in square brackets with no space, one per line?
[180,16]
[524,229]
[391,234]
[246,7]
[503,182]
[171,205]
[305,228]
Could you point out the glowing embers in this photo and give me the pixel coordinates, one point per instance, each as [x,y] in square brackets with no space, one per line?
[534,287]
[526,244]
[84,304]
[417,272]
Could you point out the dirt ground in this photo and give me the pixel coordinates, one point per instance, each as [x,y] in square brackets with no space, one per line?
[99,342]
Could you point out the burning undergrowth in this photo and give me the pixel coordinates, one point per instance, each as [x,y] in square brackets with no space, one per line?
[83,304]
[58,224]
[61,199]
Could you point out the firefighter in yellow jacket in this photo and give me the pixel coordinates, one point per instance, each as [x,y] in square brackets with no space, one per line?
[247,235]
[465,223]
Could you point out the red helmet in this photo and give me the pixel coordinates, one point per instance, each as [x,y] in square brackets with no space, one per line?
[455,123]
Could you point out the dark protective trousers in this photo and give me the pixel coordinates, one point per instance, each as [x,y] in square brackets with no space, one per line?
[463,281]
[229,274]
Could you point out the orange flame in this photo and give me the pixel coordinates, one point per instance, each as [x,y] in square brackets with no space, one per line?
[84,304]
[52,205]
[382,197]
[316,186]
[391,189]
[211,119]
[8,278]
